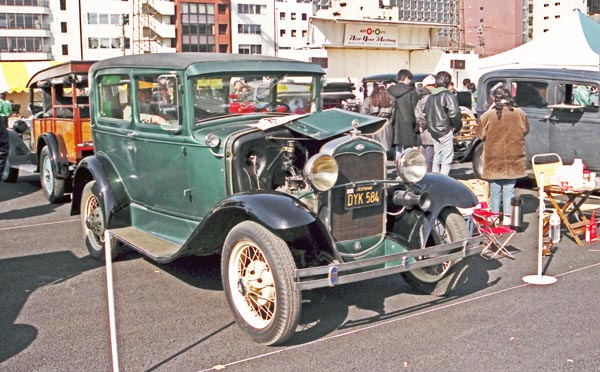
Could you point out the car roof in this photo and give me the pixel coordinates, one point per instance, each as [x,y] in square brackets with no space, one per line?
[198,63]
[542,73]
[388,77]
[61,70]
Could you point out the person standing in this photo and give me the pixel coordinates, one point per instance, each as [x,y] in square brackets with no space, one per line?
[5,110]
[423,93]
[380,104]
[406,133]
[443,118]
[503,129]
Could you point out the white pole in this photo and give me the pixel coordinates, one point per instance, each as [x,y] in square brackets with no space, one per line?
[111,300]
[539,278]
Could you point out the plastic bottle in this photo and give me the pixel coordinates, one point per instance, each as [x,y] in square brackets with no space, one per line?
[577,175]
[555,227]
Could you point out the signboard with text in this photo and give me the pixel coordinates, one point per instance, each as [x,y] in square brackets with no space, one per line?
[371,36]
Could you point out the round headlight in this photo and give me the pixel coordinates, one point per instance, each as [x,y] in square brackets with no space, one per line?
[411,166]
[212,140]
[321,171]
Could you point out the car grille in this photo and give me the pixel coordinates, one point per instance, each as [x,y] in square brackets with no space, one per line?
[361,222]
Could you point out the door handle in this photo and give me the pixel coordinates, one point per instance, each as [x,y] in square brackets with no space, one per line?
[551,118]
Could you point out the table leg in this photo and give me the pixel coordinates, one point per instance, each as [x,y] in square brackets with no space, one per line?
[563,217]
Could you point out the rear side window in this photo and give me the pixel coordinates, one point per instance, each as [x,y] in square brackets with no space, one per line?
[528,93]
[114,96]
[578,94]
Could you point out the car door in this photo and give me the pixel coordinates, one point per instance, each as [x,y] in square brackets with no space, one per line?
[576,123]
[159,147]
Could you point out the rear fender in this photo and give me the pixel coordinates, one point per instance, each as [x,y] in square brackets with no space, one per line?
[57,151]
[109,188]
[414,224]
[284,215]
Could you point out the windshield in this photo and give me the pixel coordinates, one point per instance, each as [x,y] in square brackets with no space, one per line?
[242,94]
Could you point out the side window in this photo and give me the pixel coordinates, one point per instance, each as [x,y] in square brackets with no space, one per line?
[530,93]
[489,88]
[578,94]
[158,100]
[114,97]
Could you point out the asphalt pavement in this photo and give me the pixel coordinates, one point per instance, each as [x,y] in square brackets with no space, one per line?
[54,313]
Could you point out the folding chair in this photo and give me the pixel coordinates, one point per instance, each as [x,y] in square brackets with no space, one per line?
[497,236]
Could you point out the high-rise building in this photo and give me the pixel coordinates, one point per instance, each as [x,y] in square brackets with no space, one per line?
[25,30]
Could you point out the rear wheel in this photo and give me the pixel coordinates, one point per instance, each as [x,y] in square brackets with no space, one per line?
[53,187]
[9,174]
[92,223]
[442,278]
[257,269]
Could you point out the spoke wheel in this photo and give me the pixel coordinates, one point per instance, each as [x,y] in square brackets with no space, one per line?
[440,279]
[54,188]
[92,222]
[257,270]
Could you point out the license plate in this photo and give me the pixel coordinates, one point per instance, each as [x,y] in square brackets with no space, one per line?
[362,196]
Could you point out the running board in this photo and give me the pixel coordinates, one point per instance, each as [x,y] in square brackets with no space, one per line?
[149,245]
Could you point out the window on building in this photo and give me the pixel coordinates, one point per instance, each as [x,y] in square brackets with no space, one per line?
[92,18]
[546,18]
[197,27]
[222,29]
[222,8]
[546,5]
[250,49]
[281,33]
[65,50]
[319,61]
[293,33]
[63,27]
[293,16]
[252,9]
[480,8]
[556,16]
[282,16]
[556,4]
[304,33]
[63,4]
[223,48]
[249,29]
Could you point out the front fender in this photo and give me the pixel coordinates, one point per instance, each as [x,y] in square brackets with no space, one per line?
[415,225]
[108,187]
[284,215]
[57,151]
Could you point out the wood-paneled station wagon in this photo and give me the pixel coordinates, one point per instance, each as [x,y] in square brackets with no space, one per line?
[202,154]
[59,135]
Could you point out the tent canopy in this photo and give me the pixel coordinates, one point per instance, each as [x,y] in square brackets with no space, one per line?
[574,43]
[15,75]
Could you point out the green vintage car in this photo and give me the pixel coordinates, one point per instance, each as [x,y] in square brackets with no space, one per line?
[203,154]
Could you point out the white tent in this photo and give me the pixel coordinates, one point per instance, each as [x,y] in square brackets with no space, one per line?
[573,43]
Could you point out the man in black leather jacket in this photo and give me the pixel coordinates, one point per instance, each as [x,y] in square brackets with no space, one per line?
[443,117]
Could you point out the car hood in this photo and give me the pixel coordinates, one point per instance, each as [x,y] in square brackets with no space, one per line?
[330,123]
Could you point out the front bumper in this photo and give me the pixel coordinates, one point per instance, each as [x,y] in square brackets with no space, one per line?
[369,268]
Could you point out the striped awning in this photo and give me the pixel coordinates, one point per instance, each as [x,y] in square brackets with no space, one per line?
[15,75]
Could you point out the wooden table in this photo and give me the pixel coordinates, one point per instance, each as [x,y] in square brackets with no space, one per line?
[575,199]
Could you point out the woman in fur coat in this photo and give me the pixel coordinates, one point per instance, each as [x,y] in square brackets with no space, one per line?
[503,128]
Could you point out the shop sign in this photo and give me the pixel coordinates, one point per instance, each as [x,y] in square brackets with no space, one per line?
[371,36]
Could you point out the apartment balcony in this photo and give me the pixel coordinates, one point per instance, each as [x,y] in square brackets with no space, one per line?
[158,7]
[24,56]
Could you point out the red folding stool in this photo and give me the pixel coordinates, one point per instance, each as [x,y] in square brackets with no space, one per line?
[487,224]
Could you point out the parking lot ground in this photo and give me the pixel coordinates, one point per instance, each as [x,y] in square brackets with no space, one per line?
[53,309]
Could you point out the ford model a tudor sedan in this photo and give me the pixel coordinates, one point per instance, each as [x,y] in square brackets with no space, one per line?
[202,154]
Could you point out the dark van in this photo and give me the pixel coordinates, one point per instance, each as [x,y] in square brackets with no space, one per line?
[562,107]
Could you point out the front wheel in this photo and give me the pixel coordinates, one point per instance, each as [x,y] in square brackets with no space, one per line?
[9,174]
[53,187]
[257,271]
[440,279]
[92,223]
